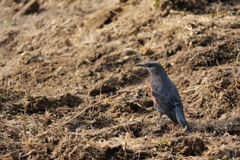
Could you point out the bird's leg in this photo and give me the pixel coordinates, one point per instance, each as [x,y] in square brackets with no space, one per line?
[172,128]
[159,119]
[164,119]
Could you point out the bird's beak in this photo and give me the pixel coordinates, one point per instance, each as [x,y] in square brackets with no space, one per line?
[141,64]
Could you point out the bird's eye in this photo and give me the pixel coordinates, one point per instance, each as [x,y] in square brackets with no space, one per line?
[149,65]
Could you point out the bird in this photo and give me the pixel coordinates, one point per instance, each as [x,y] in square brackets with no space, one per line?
[165,94]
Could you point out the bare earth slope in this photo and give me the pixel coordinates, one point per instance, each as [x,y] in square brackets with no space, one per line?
[70,89]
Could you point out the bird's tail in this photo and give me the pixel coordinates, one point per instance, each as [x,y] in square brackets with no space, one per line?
[181,119]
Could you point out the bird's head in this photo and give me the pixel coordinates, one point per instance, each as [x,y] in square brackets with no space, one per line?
[154,68]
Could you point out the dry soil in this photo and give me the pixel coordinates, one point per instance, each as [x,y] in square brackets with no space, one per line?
[70,88]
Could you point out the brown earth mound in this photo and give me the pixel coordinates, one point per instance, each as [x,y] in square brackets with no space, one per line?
[70,88]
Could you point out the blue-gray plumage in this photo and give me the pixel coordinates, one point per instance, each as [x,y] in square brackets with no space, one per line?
[165,94]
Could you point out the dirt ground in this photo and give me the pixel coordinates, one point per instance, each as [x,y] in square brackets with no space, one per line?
[70,88]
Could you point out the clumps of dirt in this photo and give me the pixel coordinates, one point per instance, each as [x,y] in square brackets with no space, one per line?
[195,7]
[120,77]
[104,18]
[161,128]
[226,152]
[108,85]
[216,54]
[37,104]
[231,127]
[132,107]
[132,76]
[111,62]
[117,150]
[91,119]
[8,38]
[69,100]
[7,96]
[31,57]
[24,103]
[31,6]
[220,84]
[70,88]
[42,103]
[95,144]
[189,146]
[113,151]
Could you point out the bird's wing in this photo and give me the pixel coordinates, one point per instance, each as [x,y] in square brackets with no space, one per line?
[168,105]
[169,102]
[172,106]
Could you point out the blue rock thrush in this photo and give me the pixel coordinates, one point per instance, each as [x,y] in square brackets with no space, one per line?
[165,94]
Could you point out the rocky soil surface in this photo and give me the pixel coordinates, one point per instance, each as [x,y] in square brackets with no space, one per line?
[70,88]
